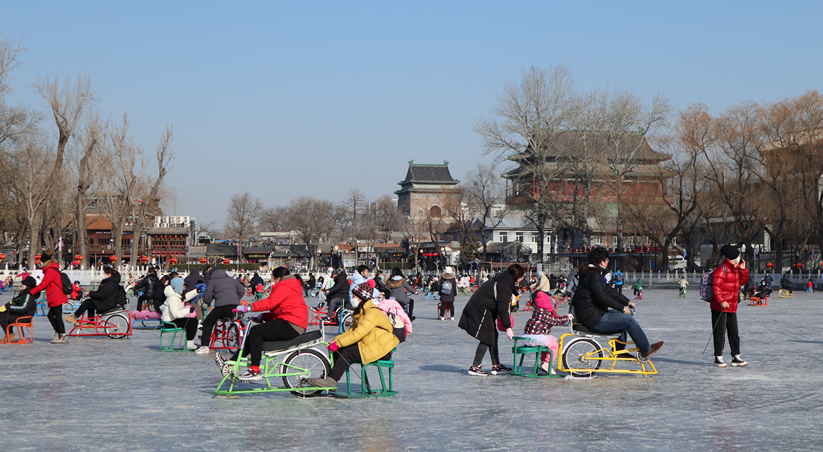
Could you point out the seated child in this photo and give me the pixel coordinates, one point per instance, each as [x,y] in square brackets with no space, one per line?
[540,325]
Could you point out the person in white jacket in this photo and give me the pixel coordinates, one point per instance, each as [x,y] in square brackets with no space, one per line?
[176,311]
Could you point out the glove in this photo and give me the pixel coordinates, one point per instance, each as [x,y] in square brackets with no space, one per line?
[509,334]
[333,346]
[258,318]
[242,309]
[3,308]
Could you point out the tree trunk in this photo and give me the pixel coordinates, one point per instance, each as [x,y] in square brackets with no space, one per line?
[82,243]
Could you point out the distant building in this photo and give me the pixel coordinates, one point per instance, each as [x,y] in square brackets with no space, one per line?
[426,190]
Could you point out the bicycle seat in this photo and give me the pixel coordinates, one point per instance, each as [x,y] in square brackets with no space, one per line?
[285,345]
[582,329]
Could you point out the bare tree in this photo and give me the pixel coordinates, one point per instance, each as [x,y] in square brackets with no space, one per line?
[273,219]
[388,218]
[355,202]
[243,215]
[486,194]
[308,217]
[88,163]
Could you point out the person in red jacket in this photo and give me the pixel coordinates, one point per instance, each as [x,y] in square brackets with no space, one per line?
[53,285]
[726,282]
[285,314]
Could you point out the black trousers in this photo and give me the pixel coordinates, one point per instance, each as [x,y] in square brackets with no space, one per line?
[335,303]
[86,306]
[443,305]
[725,321]
[145,297]
[619,287]
[208,323]
[276,330]
[344,357]
[481,352]
[6,319]
[188,324]
[56,319]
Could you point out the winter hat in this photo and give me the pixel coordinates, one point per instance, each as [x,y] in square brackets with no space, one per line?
[544,301]
[46,256]
[363,291]
[29,281]
[730,252]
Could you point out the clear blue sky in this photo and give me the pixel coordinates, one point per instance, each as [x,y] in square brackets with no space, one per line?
[312,98]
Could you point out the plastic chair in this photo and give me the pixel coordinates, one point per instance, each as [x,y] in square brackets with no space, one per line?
[171,328]
[22,324]
[522,351]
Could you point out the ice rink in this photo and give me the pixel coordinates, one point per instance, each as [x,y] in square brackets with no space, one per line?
[105,394]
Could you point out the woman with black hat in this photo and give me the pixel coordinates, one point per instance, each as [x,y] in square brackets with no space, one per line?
[23,305]
[726,282]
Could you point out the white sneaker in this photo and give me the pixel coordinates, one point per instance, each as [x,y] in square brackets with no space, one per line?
[546,367]
[202,349]
[451,318]
[737,361]
[190,345]
[718,362]
[442,318]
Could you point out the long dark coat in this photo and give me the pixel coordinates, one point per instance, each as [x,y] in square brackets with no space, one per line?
[480,315]
[105,297]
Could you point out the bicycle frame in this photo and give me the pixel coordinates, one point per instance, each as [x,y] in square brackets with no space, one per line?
[99,323]
[603,355]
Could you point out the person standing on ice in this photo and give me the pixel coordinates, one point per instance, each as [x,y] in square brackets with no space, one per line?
[726,282]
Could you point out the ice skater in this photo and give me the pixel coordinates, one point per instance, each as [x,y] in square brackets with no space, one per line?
[726,287]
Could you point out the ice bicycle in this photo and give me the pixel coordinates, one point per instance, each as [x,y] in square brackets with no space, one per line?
[581,354]
[293,361]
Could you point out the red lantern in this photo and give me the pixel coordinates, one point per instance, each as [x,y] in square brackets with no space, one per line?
[75,262]
[770,265]
[799,265]
[113,259]
[144,259]
[226,261]
[2,256]
[79,257]
[203,260]
[173,260]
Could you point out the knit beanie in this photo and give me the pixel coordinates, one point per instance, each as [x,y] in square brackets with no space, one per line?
[363,291]
[730,252]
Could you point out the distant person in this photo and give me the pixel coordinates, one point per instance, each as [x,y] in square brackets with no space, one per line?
[52,283]
[618,280]
[786,284]
[23,305]
[226,293]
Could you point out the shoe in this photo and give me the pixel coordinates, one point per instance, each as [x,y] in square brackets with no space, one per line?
[643,357]
[477,371]
[200,326]
[546,367]
[451,318]
[71,319]
[250,375]
[411,317]
[327,382]
[500,369]
[442,318]
[737,361]
[718,361]
[190,345]
[62,340]
[11,338]
[202,349]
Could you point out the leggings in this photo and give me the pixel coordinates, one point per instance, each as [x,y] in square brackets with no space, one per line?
[276,330]
[725,321]
[86,306]
[188,324]
[481,352]
[443,305]
[344,357]
[55,313]
[208,323]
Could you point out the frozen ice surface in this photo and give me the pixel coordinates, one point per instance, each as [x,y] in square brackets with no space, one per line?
[105,394]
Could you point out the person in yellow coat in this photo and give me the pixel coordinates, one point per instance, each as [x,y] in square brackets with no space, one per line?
[370,338]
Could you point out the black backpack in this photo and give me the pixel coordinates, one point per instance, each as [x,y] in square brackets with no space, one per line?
[120,297]
[66,284]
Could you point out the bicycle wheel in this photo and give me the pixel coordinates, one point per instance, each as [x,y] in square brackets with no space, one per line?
[573,356]
[117,326]
[347,321]
[314,363]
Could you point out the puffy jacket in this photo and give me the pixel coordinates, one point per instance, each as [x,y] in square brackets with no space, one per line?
[53,285]
[372,332]
[105,297]
[726,282]
[483,309]
[24,304]
[223,289]
[340,289]
[594,297]
[174,308]
[285,302]
[398,287]
[192,280]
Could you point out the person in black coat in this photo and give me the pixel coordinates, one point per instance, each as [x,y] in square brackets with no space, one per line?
[338,293]
[23,305]
[255,280]
[146,284]
[602,309]
[192,280]
[488,304]
[101,300]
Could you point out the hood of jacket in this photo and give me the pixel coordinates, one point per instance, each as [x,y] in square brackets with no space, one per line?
[219,273]
[396,281]
[589,268]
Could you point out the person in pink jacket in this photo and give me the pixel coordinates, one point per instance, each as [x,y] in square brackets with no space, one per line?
[53,285]
[540,325]
[726,282]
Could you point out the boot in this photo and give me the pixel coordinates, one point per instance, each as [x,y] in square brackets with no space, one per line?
[11,338]
[71,319]
[62,340]
[327,382]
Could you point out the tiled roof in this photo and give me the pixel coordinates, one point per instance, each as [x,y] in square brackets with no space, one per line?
[428,173]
